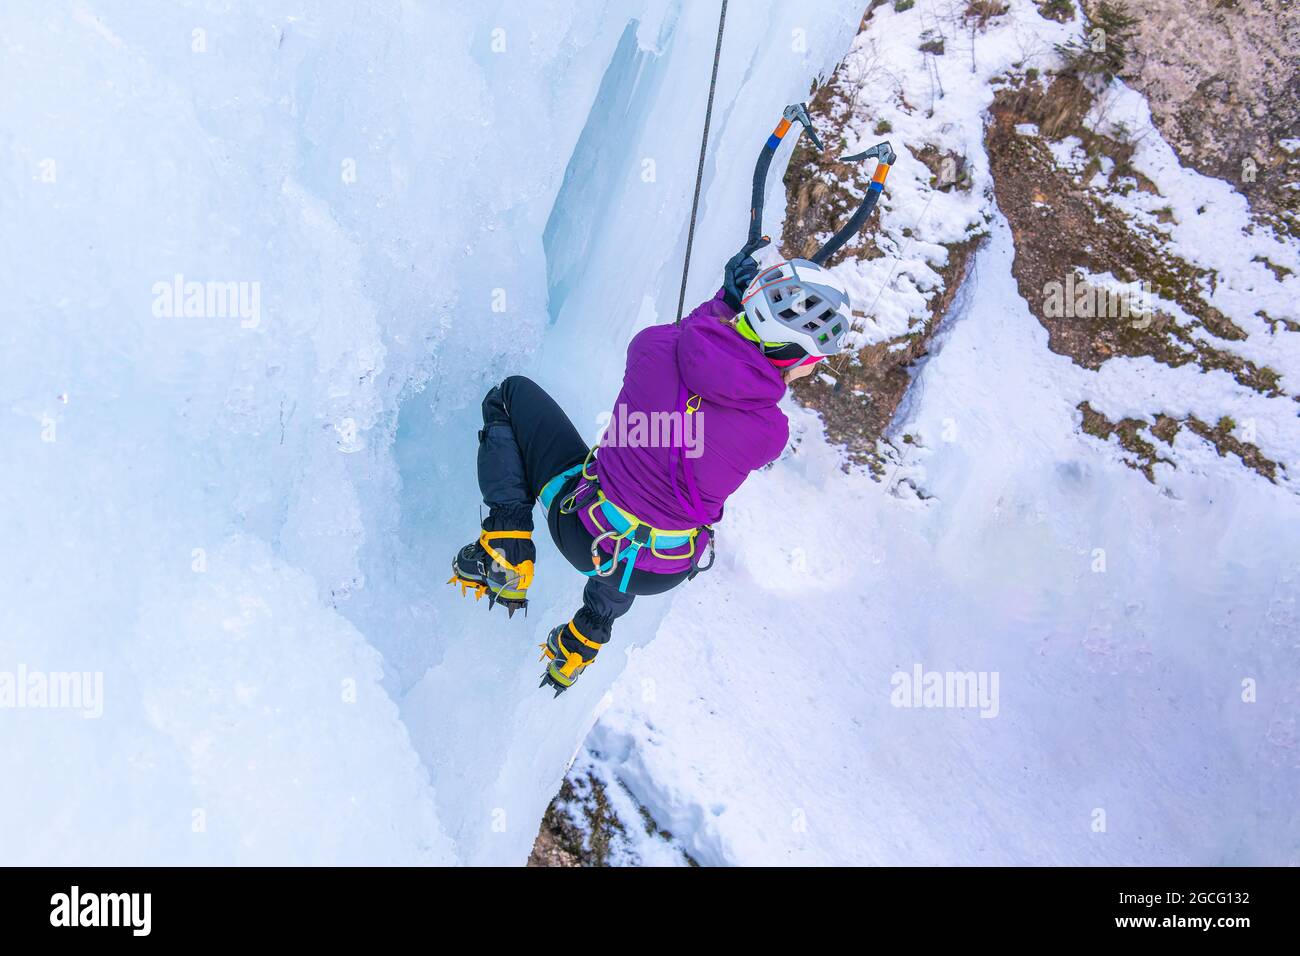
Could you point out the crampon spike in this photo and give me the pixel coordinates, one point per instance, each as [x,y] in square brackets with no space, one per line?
[546,679]
[465,586]
[510,604]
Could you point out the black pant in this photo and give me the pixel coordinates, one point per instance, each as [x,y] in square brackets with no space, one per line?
[526,441]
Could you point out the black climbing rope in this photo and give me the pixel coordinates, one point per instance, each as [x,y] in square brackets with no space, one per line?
[704,145]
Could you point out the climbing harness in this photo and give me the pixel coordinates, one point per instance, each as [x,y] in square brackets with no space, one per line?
[704,145]
[625,533]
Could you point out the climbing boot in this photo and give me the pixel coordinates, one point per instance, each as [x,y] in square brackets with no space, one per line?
[567,652]
[500,565]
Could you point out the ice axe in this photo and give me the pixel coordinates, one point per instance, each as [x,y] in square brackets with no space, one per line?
[884,156]
[794,113]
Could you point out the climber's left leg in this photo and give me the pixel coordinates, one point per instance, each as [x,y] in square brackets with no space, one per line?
[572,646]
[525,433]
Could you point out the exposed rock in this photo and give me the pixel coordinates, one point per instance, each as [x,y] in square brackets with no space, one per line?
[1140,454]
[1061,227]
[595,821]
[1223,81]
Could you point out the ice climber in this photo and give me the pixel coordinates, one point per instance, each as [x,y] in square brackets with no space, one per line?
[697,414]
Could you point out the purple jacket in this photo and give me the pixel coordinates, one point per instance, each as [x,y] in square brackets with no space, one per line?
[676,471]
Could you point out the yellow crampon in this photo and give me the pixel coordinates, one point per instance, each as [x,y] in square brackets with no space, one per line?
[511,588]
[565,664]
[478,587]
[517,588]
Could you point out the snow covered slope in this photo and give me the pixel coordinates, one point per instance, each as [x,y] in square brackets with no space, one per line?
[238,507]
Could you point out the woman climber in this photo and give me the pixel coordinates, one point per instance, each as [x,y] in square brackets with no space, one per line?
[636,513]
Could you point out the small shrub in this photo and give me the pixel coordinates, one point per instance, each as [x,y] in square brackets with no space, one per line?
[1062,11]
[1104,49]
[983,11]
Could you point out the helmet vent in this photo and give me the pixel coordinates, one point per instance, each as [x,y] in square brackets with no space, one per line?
[804,308]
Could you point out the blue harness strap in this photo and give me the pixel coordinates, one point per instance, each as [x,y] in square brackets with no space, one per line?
[629,537]
[552,487]
[628,534]
[625,552]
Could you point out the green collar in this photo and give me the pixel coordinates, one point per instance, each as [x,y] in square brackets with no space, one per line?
[747,331]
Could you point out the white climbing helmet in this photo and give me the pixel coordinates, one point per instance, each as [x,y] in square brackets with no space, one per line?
[799,302]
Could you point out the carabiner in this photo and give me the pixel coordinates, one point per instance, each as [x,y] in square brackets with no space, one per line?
[613,561]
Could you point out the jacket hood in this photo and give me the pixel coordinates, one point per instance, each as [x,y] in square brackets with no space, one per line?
[720,366]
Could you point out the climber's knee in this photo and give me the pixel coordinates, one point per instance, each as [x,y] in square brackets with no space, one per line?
[494,410]
[518,388]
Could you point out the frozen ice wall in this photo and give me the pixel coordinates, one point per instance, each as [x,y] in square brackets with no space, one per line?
[236,505]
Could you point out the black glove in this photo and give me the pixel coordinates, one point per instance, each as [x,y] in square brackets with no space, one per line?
[740,271]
